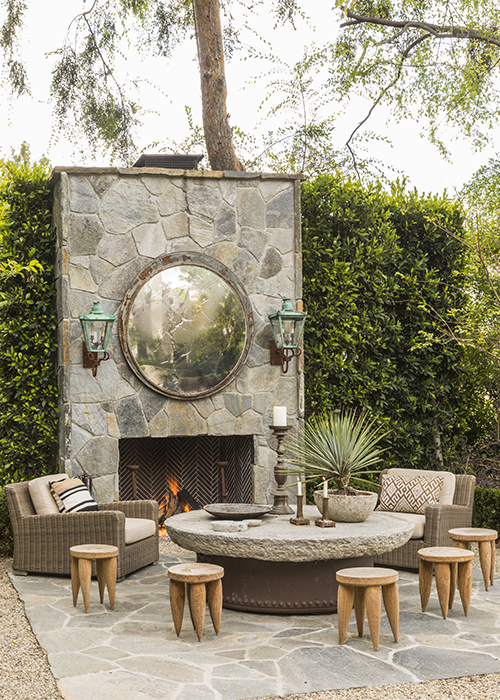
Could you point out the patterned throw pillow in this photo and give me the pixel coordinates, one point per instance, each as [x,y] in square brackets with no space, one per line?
[401,495]
[72,496]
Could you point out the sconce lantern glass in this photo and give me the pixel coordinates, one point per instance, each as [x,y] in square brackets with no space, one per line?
[96,327]
[287,326]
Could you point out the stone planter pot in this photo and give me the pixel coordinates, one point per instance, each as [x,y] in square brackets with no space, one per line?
[350,509]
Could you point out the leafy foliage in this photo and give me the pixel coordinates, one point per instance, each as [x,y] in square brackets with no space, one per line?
[28,386]
[6,536]
[374,262]
[486,508]
[92,97]
[432,60]
[397,51]
[475,324]
[14,69]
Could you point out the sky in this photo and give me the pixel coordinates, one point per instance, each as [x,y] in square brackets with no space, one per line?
[167,86]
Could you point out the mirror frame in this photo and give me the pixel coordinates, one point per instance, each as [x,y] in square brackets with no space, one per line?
[166,262]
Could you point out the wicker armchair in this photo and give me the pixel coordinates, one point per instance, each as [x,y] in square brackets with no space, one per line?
[438,520]
[42,542]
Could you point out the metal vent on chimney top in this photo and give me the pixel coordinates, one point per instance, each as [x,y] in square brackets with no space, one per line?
[170,161]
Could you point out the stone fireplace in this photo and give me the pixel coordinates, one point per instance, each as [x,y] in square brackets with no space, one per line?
[116,226]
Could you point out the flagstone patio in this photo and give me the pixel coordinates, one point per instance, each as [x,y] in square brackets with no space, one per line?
[132,653]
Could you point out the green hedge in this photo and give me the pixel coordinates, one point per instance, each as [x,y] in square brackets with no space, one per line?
[6,536]
[375,263]
[28,347]
[486,508]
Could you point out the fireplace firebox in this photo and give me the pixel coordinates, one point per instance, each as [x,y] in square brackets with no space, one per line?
[207,467]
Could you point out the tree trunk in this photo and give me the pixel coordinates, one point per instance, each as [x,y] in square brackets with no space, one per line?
[218,135]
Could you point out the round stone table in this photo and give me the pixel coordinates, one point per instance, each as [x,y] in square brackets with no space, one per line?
[278,567]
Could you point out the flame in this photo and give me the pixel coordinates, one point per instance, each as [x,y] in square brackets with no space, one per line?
[174,489]
[173,484]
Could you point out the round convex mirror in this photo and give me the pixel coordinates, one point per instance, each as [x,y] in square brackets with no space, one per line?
[186,326]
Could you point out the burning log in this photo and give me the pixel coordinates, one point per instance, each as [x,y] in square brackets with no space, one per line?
[188,501]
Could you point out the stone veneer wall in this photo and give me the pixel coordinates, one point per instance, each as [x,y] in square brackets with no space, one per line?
[111,223]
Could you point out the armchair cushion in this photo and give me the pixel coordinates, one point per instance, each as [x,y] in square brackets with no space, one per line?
[417,520]
[403,495]
[137,529]
[41,496]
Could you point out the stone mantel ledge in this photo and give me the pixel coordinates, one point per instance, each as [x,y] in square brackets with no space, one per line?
[216,174]
[276,539]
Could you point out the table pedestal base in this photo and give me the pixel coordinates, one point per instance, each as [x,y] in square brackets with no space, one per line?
[281,587]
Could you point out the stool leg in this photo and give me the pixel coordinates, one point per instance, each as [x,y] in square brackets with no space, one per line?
[492,570]
[465,584]
[109,567]
[391,603]
[360,608]
[214,600]
[485,561]
[373,610]
[460,544]
[425,582]
[75,580]
[197,599]
[177,597]
[84,574]
[99,567]
[443,580]
[345,599]
[453,584]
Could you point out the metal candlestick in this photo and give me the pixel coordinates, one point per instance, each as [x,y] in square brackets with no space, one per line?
[300,520]
[324,521]
[280,505]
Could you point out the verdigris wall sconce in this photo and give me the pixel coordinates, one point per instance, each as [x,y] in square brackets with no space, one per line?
[287,326]
[96,327]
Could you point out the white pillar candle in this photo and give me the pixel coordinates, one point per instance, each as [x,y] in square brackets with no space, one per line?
[299,486]
[325,489]
[279,416]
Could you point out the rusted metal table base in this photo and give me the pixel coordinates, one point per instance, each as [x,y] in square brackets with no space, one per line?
[281,587]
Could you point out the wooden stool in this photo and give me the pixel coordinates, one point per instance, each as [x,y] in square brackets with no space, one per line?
[204,585]
[462,536]
[447,561]
[361,586]
[81,571]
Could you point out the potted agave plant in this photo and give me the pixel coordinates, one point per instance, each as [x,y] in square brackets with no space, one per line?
[337,447]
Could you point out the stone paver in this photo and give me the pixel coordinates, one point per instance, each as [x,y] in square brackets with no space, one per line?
[134,654]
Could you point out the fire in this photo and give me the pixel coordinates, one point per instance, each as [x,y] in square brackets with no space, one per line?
[173,484]
[169,504]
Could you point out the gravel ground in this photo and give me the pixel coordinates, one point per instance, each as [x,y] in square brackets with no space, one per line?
[24,669]
[25,672]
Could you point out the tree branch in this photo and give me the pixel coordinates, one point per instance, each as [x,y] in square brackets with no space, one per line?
[439,31]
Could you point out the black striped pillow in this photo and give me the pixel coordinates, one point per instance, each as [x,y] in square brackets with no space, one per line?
[72,496]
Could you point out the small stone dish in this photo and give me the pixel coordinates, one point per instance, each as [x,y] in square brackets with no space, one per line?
[237,511]
[229,526]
